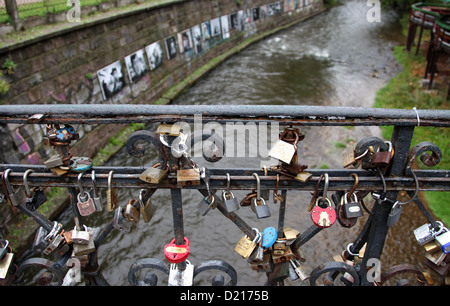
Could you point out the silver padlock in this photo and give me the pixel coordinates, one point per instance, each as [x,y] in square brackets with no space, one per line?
[40,244]
[229,200]
[179,277]
[282,151]
[15,198]
[297,271]
[97,196]
[80,236]
[426,233]
[54,161]
[54,238]
[120,222]
[205,205]
[259,206]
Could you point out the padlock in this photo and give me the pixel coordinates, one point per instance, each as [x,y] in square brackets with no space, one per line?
[286,256]
[230,201]
[39,243]
[177,253]
[394,214]
[154,175]
[303,176]
[80,164]
[349,160]
[54,244]
[146,209]
[96,196]
[351,209]
[425,233]
[85,249]
[282,151]
[168,129]
[297,271]
[269,236]
[443,240]
[188,177]
[205,205]
[178,277]
[37,197]
[15,198]
[6,261]
[80,236]
[85,204]
[112,197]
[66,134]
[261,209]
[131,213]
[120,222]
[279,247]
[290,234]
[382,159]
[245,245]
[323,217]
[54,161]
[437,258]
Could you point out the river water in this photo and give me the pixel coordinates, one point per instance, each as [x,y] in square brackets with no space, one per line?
[336,58]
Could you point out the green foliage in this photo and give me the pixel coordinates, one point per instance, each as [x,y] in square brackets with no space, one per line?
[9,66]
[405,5]
[405,92]
[4,86]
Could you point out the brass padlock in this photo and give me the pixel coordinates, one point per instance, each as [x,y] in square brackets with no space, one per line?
[154,175]
[188,177]
[245,245]
[112,197]
[147,209]
[168,129]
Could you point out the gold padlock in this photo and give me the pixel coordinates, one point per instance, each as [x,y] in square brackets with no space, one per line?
[188,177]
[147,209]
[168,129]
[245,245]
[154,175]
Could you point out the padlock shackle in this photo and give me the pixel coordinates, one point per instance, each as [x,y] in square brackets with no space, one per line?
[9,188]
[82,192]
[258,187]
[94,187]
[25,183]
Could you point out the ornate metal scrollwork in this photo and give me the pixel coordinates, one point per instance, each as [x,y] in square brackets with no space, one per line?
[150,279]
[218,265]
[53,270]
[420,150]
[334,269]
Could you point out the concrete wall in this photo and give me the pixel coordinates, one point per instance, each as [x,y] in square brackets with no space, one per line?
[68,66]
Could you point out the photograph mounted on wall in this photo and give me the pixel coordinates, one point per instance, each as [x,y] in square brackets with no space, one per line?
[185,43]
[197,39]
[215,28]
[206,33]
[154,55]
[225,27]
[111,79]
[136,66]
[171,47]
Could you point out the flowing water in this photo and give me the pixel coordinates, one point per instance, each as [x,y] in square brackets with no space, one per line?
[336,58]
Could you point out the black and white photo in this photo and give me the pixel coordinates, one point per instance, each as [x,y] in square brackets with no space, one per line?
[242,19]
[197,38]
[136,66]
[225,26]
[171,47]
[154,55]
[185,43]
[233,21]
[111,79]
[215,27]
[206,34]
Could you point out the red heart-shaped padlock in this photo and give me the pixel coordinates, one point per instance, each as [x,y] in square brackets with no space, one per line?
[323,217]
[177,253]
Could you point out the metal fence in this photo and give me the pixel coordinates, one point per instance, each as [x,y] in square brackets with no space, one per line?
[278,256]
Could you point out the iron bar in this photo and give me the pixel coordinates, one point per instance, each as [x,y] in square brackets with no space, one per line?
[287,114]
[128,177]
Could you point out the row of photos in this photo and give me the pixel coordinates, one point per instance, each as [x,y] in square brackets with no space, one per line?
[193,41]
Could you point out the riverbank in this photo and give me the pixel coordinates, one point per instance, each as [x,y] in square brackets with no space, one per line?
[406,91]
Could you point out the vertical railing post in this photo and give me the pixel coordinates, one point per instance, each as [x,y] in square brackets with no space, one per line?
[401,141]
[13,12]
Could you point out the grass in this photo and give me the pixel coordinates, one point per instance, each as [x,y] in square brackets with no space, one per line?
[405,92]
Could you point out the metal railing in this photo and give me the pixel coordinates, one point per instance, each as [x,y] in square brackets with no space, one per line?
[383,180]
